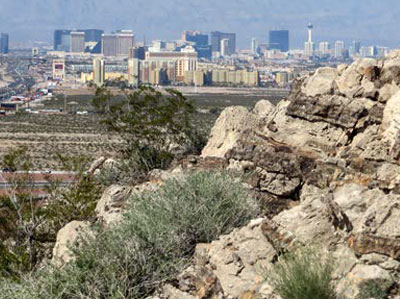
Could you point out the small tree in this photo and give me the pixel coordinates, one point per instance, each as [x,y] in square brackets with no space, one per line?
[150,122]
[28,222]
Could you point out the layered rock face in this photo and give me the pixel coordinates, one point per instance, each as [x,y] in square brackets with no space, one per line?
[331,150]
[333,146]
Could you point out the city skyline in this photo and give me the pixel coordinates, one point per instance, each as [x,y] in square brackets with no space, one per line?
[370,23]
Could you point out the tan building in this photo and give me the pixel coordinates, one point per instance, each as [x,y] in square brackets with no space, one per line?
[240,77]
[194,78]
[186,60]
[99,71]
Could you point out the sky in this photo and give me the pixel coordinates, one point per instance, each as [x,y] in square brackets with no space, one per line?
[373,22]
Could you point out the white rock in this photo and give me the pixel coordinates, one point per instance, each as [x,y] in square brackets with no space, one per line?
[263,108]
[229,128]
[322,82]
[70,235]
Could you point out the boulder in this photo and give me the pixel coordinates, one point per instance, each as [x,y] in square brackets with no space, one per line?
[391,122]
[387,91]
[349,83]
[321,83]
[98,163]
[109,208]
[391,71]
[230,127]
[74,233]
[263,108]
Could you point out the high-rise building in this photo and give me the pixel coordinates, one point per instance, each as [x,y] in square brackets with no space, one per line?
[339,48]
[133,71]
[109,44]
[3,43]
[356,46]
[225,47]
[199,41]
[370,51]
[196,37]
[62,40]
[137,52]
[77,42]
[217,37]
[185,60]
[254,45]
[324,48]
[309,46]
[92,35]
[99,71]
[381,52]
[279,40]
[125,41]
[117,44]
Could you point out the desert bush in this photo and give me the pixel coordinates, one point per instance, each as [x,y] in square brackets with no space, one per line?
[154,241]
[151,123]
[374,289]
[303,274]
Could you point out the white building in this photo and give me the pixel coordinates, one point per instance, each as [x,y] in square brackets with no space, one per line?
[339,48]
[99,71]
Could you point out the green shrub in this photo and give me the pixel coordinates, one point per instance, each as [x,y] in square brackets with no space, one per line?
[154,241]
[374,289]
[303,274]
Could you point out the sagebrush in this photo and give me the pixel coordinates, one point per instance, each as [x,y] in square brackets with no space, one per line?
[154,241]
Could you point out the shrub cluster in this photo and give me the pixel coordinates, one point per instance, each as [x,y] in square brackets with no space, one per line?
[154,241]
[303,274]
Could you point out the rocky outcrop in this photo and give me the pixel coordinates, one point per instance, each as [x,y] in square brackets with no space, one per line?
[334,147]
[231,126]
[73,234]
[109,208]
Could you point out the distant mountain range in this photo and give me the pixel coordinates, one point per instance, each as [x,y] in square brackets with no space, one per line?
[369,21]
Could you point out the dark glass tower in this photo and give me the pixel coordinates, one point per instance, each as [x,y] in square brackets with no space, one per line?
[279,40]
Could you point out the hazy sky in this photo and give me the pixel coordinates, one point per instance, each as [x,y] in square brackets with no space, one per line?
[370,21]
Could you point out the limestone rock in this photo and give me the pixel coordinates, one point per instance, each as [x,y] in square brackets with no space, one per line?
[109,208]
[387,91]
[349,82]
[236,259]
[263,108]
[321,83]
[359,274]
[391,71]
[391,123]
[97,164]
[229,128]
[73,234]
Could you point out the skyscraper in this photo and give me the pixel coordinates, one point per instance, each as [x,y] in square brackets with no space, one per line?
[309,46]
[109,44]
[279,40]
[62,40]
[199,41]
[324,48]
[339,48]
[92,35]
[356,46]
[3,43]
[125,41]
[217,37]
[98,71]
[225,47]
[117,44]
[133,71]
[254,45]
[77,42]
